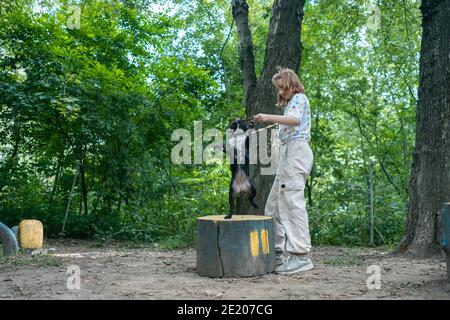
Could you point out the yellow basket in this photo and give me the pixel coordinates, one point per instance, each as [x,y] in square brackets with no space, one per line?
[31,234]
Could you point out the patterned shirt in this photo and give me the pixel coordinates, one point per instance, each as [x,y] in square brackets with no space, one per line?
[298,107]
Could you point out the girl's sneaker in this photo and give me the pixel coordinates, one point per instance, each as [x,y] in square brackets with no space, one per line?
[295,264]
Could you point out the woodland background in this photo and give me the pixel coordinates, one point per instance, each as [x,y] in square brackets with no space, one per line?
[101,101]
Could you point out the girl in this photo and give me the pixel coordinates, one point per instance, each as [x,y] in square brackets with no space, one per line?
[286,202]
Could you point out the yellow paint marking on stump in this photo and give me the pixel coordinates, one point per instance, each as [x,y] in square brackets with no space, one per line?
[254,243]
[265,241]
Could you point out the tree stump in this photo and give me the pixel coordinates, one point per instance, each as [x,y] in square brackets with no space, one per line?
[240,247]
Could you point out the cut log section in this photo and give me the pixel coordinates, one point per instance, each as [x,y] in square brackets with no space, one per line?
[240,247]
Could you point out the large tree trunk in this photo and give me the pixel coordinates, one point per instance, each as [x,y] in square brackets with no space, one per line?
[430,172]
[283,49]
[246,55]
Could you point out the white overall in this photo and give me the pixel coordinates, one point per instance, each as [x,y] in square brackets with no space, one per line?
[286,202]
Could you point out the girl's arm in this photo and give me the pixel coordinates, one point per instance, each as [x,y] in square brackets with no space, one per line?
[271,118]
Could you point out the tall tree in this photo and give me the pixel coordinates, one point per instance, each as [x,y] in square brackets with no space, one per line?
[283,49]
[430,172]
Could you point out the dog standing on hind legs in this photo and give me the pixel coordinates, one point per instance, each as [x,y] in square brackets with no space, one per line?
[240,164]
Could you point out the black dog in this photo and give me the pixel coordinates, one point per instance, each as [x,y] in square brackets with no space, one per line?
[240,173]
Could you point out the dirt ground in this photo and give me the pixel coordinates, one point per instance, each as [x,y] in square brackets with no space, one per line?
[119,272]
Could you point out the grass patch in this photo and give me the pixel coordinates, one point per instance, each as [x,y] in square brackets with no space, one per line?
[345,261]
[174,243]
[38,260]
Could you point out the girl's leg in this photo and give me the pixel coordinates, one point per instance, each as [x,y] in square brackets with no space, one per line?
[271,210]
[294,217]
[291,202]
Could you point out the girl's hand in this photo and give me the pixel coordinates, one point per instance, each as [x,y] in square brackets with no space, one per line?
[262,117]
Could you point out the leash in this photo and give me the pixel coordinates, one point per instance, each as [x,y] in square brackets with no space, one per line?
[265,128]
[261,129]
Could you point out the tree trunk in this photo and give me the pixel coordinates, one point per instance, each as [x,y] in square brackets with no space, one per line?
[429,185]
[83,186]
[283,49]
[246,55]
[57,176]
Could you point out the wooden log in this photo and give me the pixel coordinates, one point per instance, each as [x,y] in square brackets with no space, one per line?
[240,247]
[445,239]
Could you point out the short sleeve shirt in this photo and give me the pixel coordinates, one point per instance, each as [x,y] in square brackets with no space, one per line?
[298,107]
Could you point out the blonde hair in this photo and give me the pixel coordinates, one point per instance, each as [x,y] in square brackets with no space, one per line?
[286,79]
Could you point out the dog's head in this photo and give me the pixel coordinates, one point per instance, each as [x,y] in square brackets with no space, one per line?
[243,125]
